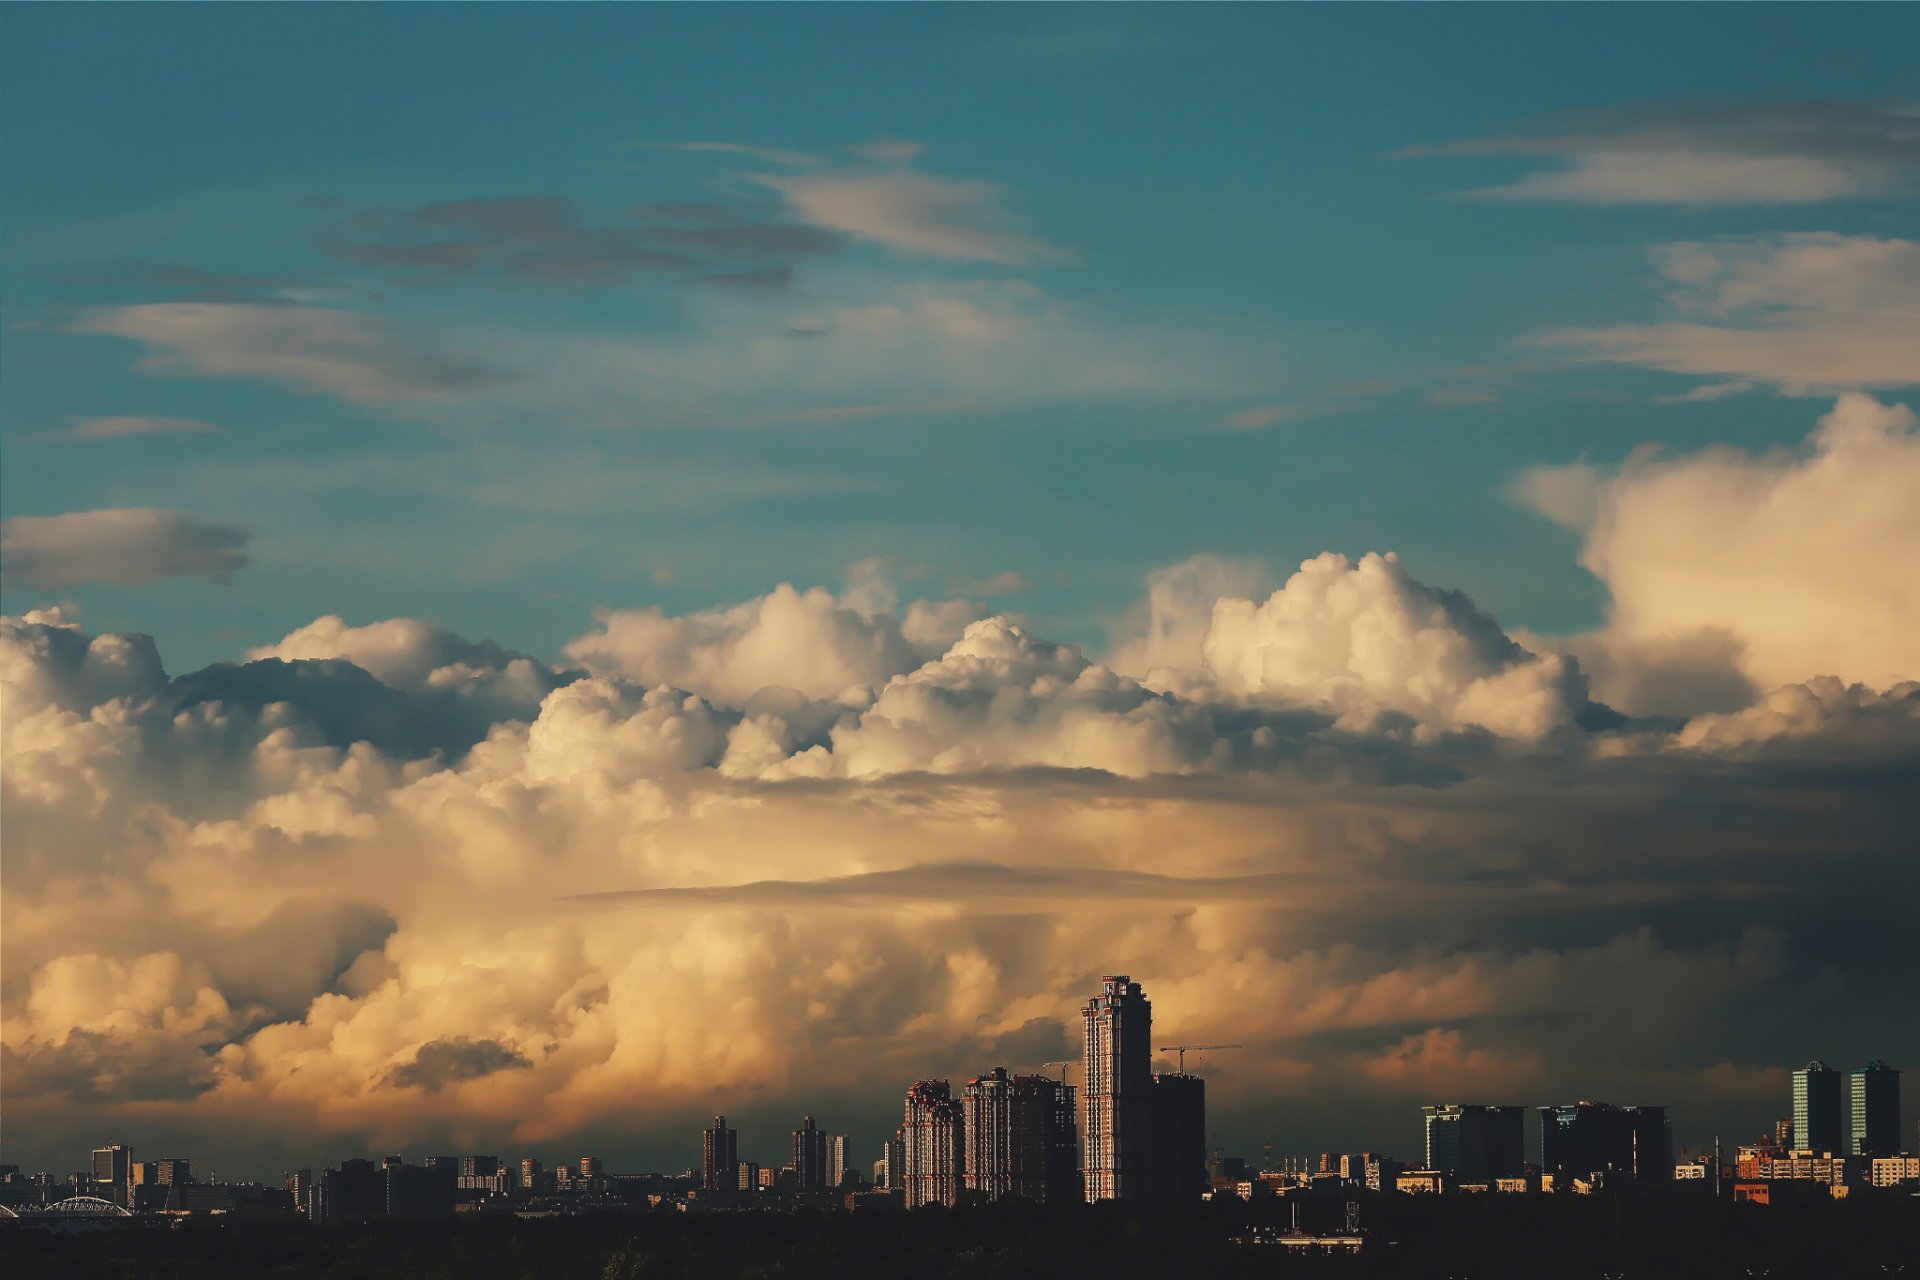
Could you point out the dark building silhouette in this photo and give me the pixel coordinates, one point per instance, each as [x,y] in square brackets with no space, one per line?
[1817,1109]
[357,1189]
[809,1157]
[719,1157]
[1117,1093]
[1584,1138]
[1873,1098]
[1064,1185]
[1477,1144]
[1179,1144]
[420,1191]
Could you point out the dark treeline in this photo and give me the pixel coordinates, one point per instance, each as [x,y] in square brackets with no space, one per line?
[1479,1237]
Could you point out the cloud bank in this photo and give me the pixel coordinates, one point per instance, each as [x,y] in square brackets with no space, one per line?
[382,886]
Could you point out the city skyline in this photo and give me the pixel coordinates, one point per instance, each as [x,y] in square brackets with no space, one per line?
[573,570]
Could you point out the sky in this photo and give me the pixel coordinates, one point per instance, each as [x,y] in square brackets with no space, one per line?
[571,567]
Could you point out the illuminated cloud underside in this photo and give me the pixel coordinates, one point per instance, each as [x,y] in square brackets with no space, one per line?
[384,885]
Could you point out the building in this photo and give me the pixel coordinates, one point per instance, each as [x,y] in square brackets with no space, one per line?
[1816,1108]
[1179,1145]
[810,1157]
[355,1190]
[890,1170]
[1873,1103]
[299,1185]
[1585,1138]
[1421,1182]
[839,1159]
[746,1177]
[416,1191]
[590,1168]
[1117,1093]
[112,1173]
[933,1145]
[479,1166]
[1894,1171]
[1013,1136]
[1476,1143]
[533,1176]
[1379,1172]
[719,1157]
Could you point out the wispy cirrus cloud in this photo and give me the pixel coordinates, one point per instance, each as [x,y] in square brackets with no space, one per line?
[546,240]
[1766,153]
[1806,312]
[912,213]
[351,355]
[121,546]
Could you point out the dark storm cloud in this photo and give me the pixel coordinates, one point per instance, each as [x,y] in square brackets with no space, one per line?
[443,1062]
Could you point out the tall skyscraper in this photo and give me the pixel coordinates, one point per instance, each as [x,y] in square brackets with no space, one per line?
[934,1145]
[1117,1090]
[1179,1146]
[1816,1108]
[1477,1144]
[1017,1129]
[1873,1097]
[893,1158]
[839,1159]
[113,1173]
[1584,1138]
[719,1157]
[809,1157]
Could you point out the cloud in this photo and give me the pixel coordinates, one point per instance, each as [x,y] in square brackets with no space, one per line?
[1364,636]
[699,873]
[355,357]
[1753,571]
[811,642]
[911,213]
[1805,312]
[1765,154]
[544,239]
[439,1063]
[123,546]
[117,428]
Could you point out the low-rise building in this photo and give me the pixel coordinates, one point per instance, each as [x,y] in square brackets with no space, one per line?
[1894,1171]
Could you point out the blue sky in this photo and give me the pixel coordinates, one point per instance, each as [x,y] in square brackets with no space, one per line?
[1174,283]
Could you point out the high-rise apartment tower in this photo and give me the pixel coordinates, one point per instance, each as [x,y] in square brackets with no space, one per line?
[1117,1093]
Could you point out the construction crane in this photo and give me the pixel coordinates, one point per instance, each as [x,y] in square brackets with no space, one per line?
[1182,1050]
[1063,1064]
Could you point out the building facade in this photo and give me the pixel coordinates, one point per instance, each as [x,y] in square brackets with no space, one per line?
[1873,1105]
[839,1159]
[810,1157]
[933,1145]
[719,1157]
[1476,1143]
[1584,1138]
[1816,1108]
[1117,1093]
[112,1173]
[1179,1146]
[1020,1137]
